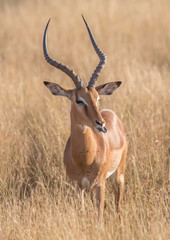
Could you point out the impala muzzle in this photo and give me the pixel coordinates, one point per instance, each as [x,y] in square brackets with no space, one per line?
[101,127]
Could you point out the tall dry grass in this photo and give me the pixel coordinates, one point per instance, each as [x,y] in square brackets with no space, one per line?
[36,199]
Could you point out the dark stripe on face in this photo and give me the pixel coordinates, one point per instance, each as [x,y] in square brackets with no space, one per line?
[85,108]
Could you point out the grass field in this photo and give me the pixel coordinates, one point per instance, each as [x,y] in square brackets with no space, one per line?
[36,198]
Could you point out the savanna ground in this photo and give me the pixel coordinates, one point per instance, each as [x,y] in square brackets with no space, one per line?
[36,199]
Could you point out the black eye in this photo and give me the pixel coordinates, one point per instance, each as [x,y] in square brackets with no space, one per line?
[79,102]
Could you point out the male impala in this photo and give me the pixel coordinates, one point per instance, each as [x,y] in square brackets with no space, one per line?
[97,145]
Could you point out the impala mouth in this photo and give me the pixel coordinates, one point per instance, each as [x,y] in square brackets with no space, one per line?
[101,127]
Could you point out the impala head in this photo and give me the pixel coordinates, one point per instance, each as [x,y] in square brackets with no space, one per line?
[84,100]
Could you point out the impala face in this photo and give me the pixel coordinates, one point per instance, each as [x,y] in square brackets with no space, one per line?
[85,109]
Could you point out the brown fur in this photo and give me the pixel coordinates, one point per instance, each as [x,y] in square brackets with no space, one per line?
[89,154]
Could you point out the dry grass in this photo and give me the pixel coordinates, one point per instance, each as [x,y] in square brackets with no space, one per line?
[36,200]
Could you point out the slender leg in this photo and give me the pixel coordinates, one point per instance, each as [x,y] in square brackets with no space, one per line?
[100,194]
[120,182]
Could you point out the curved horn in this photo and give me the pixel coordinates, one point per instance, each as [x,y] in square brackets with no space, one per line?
[76,79]
[100,54]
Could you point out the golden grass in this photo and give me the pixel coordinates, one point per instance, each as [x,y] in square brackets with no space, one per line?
[36,200]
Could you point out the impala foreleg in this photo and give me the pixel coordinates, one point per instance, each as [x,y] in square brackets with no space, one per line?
[100,195]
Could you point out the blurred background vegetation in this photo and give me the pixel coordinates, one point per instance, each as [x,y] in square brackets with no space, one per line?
[36,199]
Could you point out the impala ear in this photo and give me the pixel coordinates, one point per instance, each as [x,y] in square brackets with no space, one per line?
[108,88]
[57,90]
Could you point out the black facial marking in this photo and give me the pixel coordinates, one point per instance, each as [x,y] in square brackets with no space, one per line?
[79,102]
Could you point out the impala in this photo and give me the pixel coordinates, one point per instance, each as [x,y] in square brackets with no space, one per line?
[97,145]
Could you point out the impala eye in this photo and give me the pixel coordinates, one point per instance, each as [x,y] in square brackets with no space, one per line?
[79,102]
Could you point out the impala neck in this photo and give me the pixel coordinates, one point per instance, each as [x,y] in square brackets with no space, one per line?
[82,144]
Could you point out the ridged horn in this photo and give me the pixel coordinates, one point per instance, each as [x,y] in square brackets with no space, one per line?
[76,79]
[101,55]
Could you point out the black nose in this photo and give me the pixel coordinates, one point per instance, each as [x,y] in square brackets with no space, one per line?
[104,130]
[101,127]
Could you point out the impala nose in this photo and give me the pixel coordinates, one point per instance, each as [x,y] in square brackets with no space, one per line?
[101,127]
